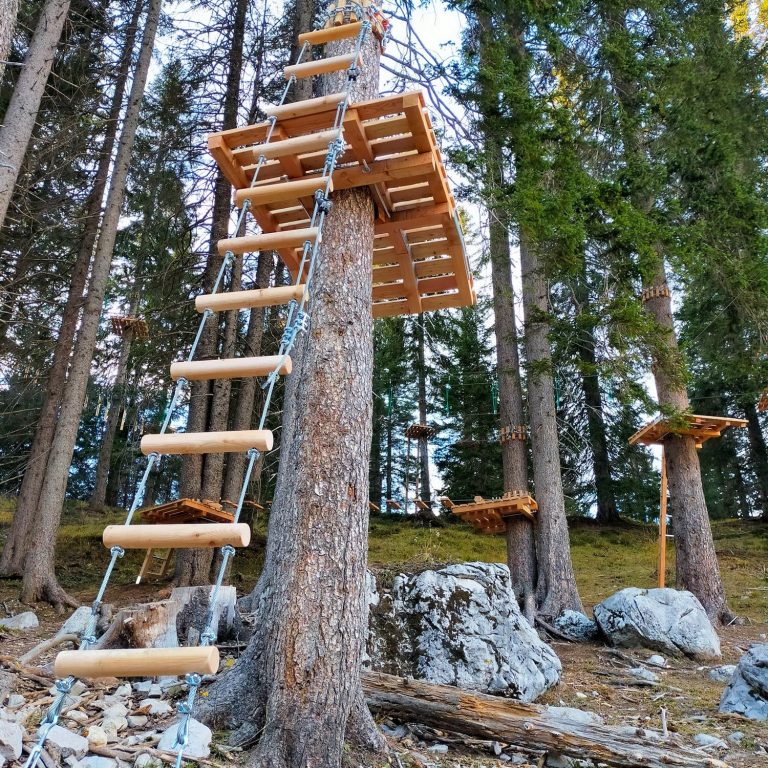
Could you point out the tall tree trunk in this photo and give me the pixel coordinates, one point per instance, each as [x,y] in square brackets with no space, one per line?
[19,120]
[115,401]
[422,442]
[39,576]
[556,588]
[759,455]
[27,503]
[390,436]
[8,11]
[297,685]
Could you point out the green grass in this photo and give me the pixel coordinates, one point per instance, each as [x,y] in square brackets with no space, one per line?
[605,558]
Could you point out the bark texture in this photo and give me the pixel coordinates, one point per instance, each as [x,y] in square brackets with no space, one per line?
[8,11]
[556,584]
[296,689]
[19,119]
[39,577]
[17,543]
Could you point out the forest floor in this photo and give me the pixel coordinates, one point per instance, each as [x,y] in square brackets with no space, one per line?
[605,559]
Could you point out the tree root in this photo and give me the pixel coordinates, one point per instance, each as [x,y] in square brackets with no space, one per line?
[49,591]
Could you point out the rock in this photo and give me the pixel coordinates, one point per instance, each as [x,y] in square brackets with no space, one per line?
[577,627]
[147,761]
[656,661]
[199,739]
[25,620]
[722,674]
[562,761]
[116,710]
[641,673]
[736,737]
[155,707]
[123,691]
[438,749]
[459,625]
[113,725]
[666,620]
[137,721]
[76,623]
[15,700]
[7,683]
[77,715]
[576,715]
[96,761]
[11,735]
[747,693]
[97,736]
[706,740]
[67,743]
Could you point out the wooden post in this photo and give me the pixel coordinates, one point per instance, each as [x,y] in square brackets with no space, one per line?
[663,523]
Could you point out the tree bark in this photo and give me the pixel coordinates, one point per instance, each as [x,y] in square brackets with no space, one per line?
[535,727]
[556,588]
[297,685]
[39,575]
[8,11]
[17,543]
[759,454]
[19,120]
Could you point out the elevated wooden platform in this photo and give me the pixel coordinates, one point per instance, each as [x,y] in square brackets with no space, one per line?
[762,403]
[420,262]
[415,431]
[121,323]
[488,515]
[702,428]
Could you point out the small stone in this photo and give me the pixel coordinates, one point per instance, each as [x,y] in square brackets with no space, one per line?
[644,674]
[199,739]
[576,626]
[147,761]
[707,740]
[736,737]
[15,700]
[116,710]
[96,761]
[580,695]
[124,690]
[155,691]
[722,674]
[657,661]
[77,715]
[11,735]
[113,725]
[496,748]
[97,736]
[438,749]
[137,721]
[25,620]
[576,715]
[79,688]
[66,742]
[142,686]
[155,707]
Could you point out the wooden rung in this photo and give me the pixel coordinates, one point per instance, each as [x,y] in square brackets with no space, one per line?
[329,34]
[208,442]
[260,297]
[231,368]
[282,191]
[298,145]
[137,662]
[292,238]
[321,66]
[179,536]
[306,107]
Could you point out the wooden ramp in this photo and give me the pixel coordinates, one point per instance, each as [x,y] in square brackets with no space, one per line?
[488,515]
[420,262]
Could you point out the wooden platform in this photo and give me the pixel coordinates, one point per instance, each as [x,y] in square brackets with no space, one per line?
[762,403]
[121,323]
[416,431]
[488,515]
[702,428]
[420,262]
[183,510]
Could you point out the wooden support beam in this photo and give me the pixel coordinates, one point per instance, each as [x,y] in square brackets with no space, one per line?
[322,66]
[231,368]
[177,536]
[290,238]
[383,171]
[137,662]
[280,192]
[259,297]
[222,154]
[208,442]
[329,34]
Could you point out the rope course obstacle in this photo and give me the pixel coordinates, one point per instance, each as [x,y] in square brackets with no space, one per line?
[656,432]
[320,144]
[489,515]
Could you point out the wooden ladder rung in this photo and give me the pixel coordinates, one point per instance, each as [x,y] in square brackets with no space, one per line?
[208,442]
[306,107]
[329,34]
[298,145]
[177,536]
[231,368]
[281,191]
[290,238]
[259,297]
[137,662]
[322,66]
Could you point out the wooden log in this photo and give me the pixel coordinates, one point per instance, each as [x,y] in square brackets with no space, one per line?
[260,297]
[149,625]
[281,191]
[290,238]
[321,66]
[231,368]
[208,442]
[528,725]
[137,662]
[306,107]
[180,536]
[298,145]
[329,34]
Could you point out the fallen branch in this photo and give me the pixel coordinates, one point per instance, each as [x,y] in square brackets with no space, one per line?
[47,645]
[119,753]
[32,673]
[528,725]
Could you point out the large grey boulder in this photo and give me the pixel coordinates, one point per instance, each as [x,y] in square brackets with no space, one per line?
[662,619]
[459,625]
[747,693]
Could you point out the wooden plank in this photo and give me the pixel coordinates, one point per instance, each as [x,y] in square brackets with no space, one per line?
[431,248]
[382,171]
[177,536]
[185,443]
[386,127]
[389,291]
[322,66]
[222,154]
[231,368]
[329,34]
[390,309]
[434,267]
[387,274]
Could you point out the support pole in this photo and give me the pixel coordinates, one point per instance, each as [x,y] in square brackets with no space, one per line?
[663,523]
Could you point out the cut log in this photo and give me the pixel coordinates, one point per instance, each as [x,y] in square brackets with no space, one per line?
[258,297]
[231,368]
[528,725]
[177,536]
[151,625]
[137,662]
[208,442]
